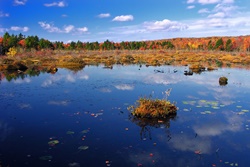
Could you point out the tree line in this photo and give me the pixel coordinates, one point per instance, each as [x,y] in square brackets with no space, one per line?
[18,42]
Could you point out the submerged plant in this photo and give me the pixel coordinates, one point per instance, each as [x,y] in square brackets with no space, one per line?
[153,108]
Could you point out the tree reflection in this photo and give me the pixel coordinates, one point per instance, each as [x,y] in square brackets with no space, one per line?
[34,72]
[147,124]
[10,75]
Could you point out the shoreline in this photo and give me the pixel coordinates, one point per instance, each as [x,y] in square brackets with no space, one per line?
[77,59]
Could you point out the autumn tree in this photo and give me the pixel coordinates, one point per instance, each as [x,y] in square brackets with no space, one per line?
[210,45]
[45,44]
[58,45]
[79,45]
[229,45]
[167,45]
[219,44]
[72,45]
[32,42]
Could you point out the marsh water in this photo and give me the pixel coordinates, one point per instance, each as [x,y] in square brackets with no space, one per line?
[80,118]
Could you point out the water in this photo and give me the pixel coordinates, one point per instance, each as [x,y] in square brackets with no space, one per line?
[84,115]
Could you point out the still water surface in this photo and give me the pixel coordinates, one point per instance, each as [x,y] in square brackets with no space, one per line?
[80,119]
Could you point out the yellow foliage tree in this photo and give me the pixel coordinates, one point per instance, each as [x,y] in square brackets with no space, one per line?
[12,52]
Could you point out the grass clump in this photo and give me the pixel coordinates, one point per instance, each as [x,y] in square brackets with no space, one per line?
[153,108]
[223,80]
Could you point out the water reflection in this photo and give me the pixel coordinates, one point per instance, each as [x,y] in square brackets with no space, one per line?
[56,79]
[5,130]
[211,127]
[146,124]
[216,127]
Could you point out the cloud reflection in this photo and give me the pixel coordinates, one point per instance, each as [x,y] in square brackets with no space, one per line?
[24,106]
[190,143]
[105,90]
[59,103]
[163,79]
[68,77]
[124,87]
[217,127]
[21,81]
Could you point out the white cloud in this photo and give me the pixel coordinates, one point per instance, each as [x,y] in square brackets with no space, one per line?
[205,10]
[16,28]
[2,30]
[165,25]
[83,29]
[66,29]
[226,8]
[2,14]
[64,15]
[228,1]
[49,27]
[57,4]
[69,28]
[124,18]
[190,1]
[224,17]
[20,2]
[191,7]
[104,15]
[205,2]
[217,15]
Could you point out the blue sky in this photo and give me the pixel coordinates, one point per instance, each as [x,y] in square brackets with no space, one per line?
[124,20]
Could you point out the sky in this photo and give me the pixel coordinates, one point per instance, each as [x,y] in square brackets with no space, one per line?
[124,20]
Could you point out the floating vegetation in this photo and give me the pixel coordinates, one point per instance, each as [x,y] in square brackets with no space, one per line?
[53,142]
[204,103]
[231,164]
[83,148]
[74,164]
[206,112]
[70,132]
[153,108]
[46,157]
[185,109]
[84,131]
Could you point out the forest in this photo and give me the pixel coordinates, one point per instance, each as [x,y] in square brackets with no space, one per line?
[19,44]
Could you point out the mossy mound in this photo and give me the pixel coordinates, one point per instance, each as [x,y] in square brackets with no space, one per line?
[223,80]
[196,67]
[153,108]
